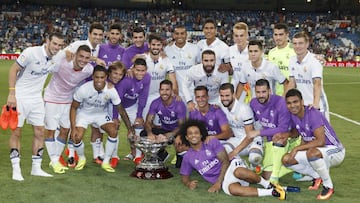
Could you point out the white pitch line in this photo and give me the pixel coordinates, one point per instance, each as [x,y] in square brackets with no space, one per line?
[347,119]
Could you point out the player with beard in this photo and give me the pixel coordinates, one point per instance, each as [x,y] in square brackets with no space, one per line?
[273,118]
[241,121]
[95,97]
[220,48]
[171,113]
[27,77]
[58,97]
[210,160]
[204,74]
[159,68]
[214,118]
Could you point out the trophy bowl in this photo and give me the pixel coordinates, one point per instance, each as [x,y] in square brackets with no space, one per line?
[151,167]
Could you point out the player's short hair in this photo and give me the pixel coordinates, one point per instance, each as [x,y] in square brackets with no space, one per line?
[180,26]
[117,65]
[207,52]
[209,20]
[302,34]
[154,37]
[259,43]
[282,26]
[166,82]
[262,82]
[99,68]
[97,26]
[56,34]
[201,88]
[189,123]
[293,93]
[115,26]
[226,86]
[241,26]
[138,30]
[84,47]
[140,61]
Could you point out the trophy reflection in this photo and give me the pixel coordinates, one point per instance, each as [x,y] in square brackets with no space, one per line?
[151,166]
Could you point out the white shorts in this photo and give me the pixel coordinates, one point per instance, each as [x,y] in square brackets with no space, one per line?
[96,120]
[32,110]
[230,177]
[233,142]
[57,114]
[150,99]
[131,111]
[332,155]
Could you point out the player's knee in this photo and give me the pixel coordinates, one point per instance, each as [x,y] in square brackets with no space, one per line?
[255,157]
[313,153]
[240,173]
[286,160]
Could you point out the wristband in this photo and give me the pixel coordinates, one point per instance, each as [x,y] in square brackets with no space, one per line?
[11,88]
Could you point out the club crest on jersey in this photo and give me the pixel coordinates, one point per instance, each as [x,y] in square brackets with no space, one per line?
[271,113]
[172,114]
[207,152]
[160,112]
[305,69]
[189,56]
[105,56]
[196,161]
[211,122]
[161,67]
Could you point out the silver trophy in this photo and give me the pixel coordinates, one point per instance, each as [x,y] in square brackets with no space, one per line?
[151,167]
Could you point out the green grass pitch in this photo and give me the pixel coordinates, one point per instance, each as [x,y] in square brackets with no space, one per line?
[95,185]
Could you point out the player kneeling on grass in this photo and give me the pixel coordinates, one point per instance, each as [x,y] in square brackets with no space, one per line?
[90,106]
[210,160]
[321,148]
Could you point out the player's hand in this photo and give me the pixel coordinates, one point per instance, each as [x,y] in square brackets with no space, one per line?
[208,138]
[215,188]
[192,184]
[232,154]
[224,67]
[100,62]
[253,133]
[11,101]
[151,137]
[293,153]
[130,73]
[315,106]
[69,55]
[191,106]
[161,138]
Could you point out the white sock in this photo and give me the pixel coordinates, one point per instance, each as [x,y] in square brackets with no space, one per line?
[36,167]
[96,148]
[109,148]
[264,192]
[115,153]
[264,182]
[80,150]
[304,169]
[320,167]
[138,152]
[71,148]
[101,150]
[51,149]
[60,145]
[16,173]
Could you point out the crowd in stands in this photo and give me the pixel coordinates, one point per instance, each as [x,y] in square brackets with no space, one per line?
[335,36]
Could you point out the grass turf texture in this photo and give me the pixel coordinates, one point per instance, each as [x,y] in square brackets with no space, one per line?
[95,185]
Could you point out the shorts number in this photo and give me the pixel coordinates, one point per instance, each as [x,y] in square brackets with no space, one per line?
[107,118]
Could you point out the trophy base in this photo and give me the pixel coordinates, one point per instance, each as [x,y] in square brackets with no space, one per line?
[151,174]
